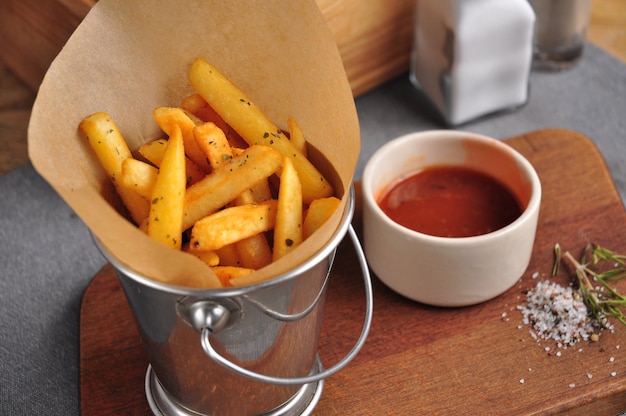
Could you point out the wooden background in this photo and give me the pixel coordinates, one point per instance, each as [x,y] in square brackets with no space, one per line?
[373,37]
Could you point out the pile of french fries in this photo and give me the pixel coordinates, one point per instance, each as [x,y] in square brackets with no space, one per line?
[226,185]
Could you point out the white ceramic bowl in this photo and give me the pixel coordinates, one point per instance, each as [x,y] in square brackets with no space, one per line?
[446,271]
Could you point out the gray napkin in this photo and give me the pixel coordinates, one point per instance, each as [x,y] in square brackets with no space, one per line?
[48,259]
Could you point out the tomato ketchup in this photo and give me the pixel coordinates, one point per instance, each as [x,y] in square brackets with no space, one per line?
[450,201]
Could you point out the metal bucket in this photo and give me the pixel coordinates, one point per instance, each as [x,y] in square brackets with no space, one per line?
[239,351]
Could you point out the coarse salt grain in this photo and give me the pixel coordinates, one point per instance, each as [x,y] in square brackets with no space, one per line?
[557,313]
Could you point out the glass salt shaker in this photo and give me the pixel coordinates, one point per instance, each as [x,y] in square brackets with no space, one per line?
[560,32]
[471,58]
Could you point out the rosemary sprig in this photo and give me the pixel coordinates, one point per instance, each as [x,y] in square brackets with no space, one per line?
[602,300]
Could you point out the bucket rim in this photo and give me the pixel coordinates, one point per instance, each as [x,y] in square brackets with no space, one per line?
[316,258]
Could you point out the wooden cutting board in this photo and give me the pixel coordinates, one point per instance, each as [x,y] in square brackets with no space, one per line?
[422,360]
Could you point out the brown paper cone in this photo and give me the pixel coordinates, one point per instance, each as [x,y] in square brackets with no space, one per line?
[128,57]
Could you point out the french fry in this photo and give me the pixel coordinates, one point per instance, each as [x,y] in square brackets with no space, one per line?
[153,152]
[244,279]
[258,193]
[192,172]
[288,230]
[254,252]
[253,125]
[296,136]
[318,213]
[213,143]
[139,176]
[106,141]
[197,106]
[223,185]
[228,256]
[167,118]
[261,191]
[228,186]
[232,224]
[168,195]
[227,273]
[210,258]
[111,150]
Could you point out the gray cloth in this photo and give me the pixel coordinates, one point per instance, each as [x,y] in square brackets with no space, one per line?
[48,257]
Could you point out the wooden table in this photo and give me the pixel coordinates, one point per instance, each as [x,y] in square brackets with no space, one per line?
[607,30]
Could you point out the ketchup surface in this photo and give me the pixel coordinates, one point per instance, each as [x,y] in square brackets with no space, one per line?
[450,201]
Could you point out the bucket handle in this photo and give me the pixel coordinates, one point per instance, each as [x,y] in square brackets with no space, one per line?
[294,316]
[313,378]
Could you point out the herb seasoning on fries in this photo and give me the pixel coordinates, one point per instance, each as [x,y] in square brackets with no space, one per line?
[227,186]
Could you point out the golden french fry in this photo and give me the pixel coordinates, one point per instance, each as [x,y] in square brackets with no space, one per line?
[261,191]
[138,207]
[254,252]
[213,143]
[288,229]
[197,106]
[228,256]
[245,279]
[227,175]
[296,136]
[139,176]
[258,193]
[193,172]
[167,118]
[153,152]
[232,224]
[253,126]
[227,273]
[111,150]
[318,213]
[168,194]
[211,258]
[223,185]
[107,141]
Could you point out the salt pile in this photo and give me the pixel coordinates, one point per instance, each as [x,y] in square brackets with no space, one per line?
[557,313]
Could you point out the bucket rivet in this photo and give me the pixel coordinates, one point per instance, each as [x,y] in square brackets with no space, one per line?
[208,315]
